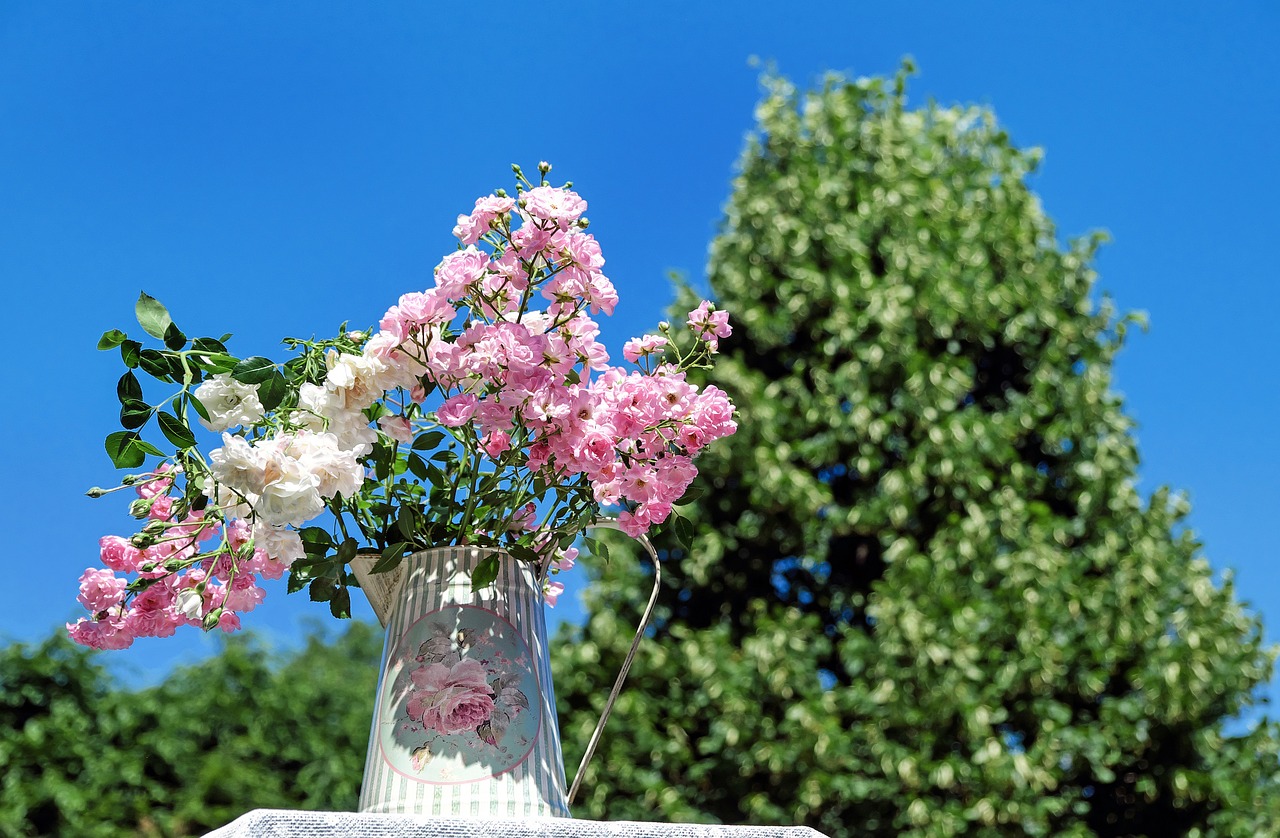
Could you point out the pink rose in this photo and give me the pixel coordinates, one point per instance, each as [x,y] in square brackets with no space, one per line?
[710,325]
[398,428]
[161,508]
[160,485]
[471,227]
[495,443]
[118,554]
[100,589]
[560,206]
[110,633]
[457,410]
[459,270]
[451,699]
[565,559]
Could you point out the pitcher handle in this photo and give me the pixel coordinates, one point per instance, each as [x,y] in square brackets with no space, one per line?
[612,524]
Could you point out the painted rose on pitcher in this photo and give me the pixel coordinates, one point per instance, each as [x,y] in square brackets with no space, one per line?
[463,697]
[450,699]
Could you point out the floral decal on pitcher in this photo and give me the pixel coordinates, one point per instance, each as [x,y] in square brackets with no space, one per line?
[461,703]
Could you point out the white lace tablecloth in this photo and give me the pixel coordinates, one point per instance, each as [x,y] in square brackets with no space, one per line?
[277,823]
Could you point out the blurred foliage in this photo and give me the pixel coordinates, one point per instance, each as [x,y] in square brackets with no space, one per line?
[81,756]
[925,597]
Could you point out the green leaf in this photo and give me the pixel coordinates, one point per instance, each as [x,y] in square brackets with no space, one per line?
[427,441]
[209,345]
[315,535]
[152,316]
[217,363]
[391,557]
[694,492]
[174,338]
[128,388]
[524,554]
[322,589]
[272,391]
[599,549]
[298,579]
[406,524]
[381,462]
[198,407]
[485,573]
[130,353]
[111,338]
[123,450]
[254,370]
[684,530]
[147,448]
[155,364]
[347,551]
[176,431]
[134,414]
[340,603]
[419,467]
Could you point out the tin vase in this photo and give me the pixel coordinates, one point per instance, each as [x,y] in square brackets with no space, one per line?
[465,719]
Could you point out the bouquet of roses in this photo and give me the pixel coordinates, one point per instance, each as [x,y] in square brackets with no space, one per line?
[482,411]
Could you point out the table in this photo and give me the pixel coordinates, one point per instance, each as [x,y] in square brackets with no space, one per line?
[281,823]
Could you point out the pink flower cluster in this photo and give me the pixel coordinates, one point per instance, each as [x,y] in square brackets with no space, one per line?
[634,437]
[523,378]
[163,598]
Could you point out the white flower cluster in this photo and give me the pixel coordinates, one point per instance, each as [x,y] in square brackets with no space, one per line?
[284,480]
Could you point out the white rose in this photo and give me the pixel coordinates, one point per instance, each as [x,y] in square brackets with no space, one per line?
[190,603]
[315,403]
[232,503]
[398,428]
[399,368]
[282,545]
[337,469]
[356,380]
[228,402]
[353,433]
[238,464]
[290,492]
[321,410]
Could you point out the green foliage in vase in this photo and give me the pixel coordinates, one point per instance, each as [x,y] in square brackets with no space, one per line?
[82,756]
[924,596]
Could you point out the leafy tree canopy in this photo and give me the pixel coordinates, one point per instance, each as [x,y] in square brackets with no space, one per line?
[81,755]
[924,596]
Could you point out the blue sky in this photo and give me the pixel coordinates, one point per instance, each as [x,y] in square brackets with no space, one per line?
[278,169]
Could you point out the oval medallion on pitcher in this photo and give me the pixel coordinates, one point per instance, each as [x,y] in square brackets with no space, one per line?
[461,701]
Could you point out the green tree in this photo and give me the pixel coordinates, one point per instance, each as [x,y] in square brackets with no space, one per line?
[924,596]
[81,755]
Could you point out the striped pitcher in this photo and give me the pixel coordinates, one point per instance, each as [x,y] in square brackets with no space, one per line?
[465,719]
